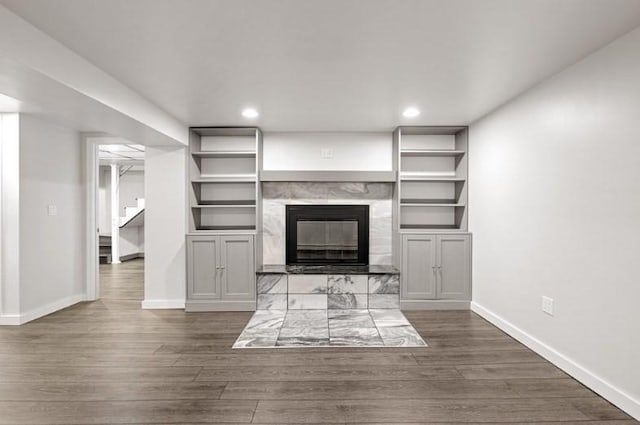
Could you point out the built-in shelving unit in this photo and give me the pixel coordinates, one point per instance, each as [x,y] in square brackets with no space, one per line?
[223,179]
[432,178]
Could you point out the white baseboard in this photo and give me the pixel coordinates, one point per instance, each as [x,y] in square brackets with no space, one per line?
[162,304]
[605,389]
[36,313]
[9,319]
[434,305]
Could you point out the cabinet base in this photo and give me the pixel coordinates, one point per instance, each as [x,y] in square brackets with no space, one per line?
[218,305]
[434,305]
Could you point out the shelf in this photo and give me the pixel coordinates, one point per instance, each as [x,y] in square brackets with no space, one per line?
[229,203]
[224,206]
[226,228]
[431,152]
[429,227]
[227,178]
[428,178]
[223,169]
[224,154]
[428,201]
[427,205]
[327,176]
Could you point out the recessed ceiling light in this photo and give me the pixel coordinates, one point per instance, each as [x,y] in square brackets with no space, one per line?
[411,113]
[250,113]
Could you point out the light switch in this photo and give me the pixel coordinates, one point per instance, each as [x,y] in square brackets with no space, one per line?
[547,305]
[52,210]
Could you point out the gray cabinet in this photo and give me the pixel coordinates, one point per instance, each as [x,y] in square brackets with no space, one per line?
[454,267]
[436,267]
[220,272]
[238,276]
[203,264]
[419,267]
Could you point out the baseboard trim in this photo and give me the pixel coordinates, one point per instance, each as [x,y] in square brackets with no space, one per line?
[162,304]
[9,320]
[619,398]
[38,312]
[210,305]
[434,305]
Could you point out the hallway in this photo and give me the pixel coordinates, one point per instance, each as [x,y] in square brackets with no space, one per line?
[111,362]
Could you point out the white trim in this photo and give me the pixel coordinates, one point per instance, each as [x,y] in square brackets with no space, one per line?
[115,213]
[605,389]
[162,304]
[434,305]
[91,169]
[9,320]
[19,319]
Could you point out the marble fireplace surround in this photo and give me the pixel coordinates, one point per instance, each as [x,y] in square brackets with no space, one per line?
[276,195]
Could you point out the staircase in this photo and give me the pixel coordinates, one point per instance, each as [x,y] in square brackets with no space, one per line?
[104,247]
[133,216]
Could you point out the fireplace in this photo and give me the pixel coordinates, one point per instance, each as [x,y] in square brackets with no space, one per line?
[327,234]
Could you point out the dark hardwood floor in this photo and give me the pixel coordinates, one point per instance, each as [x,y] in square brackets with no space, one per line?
[111,362]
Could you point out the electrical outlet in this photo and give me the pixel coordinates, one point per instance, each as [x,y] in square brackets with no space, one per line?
[547,305]
[52,210]
[326,153]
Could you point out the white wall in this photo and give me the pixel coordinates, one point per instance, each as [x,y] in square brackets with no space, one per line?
[555,211]
[52,251]
[366,151]
[165,228]
[131,188]
[104,200]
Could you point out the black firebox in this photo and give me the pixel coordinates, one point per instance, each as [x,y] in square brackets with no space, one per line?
[327,234]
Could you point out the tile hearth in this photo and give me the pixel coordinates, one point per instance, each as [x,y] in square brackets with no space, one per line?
[328,328]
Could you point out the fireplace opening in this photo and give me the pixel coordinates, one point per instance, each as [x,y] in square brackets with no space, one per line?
[327,234]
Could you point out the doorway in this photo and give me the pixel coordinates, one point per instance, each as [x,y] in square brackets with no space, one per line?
[120,213]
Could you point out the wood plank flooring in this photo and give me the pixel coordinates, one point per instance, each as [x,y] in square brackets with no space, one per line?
[110,362]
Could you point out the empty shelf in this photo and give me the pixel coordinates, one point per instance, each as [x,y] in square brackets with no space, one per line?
[429,178]
[224,154]
[238,202]
[429,226]
[226,178]
[423,205]
[223,206]
[431,152]
[427,201]
[226,228]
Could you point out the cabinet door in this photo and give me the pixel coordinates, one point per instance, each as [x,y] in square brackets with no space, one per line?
[203,268]
[454,260]
[238,267]
[419,269]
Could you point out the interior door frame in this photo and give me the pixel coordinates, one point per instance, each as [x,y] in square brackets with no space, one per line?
[91,144]
[91,169]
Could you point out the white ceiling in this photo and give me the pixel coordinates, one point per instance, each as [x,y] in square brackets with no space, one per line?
[330,64]
[116,154]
